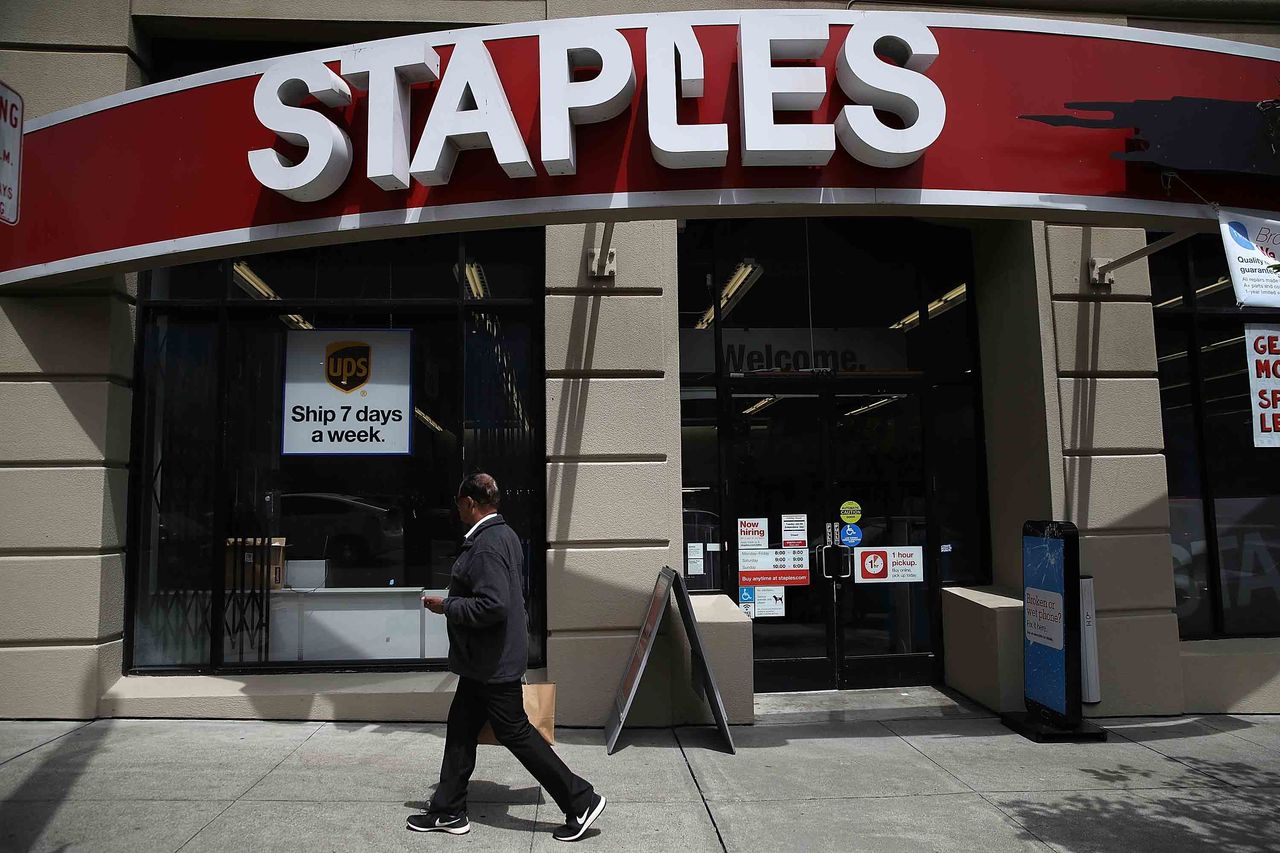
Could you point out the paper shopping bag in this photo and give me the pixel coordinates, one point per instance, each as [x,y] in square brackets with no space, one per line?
[540,706]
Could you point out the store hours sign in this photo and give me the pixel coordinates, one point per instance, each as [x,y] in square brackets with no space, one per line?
[347,393]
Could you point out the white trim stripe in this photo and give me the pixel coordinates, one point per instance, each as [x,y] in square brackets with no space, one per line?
[819,200]
[945,20]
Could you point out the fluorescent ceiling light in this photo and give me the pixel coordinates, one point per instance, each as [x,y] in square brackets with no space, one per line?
[251,283]
[427,419]
[870,406]
[473,275]
[1206,348]
[254,285]
[760,404]
[944,303]
[1220,284]
[744,277]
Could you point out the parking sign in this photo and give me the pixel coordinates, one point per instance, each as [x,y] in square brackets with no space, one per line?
[10,153]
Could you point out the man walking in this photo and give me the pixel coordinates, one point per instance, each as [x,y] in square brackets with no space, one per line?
[488,650]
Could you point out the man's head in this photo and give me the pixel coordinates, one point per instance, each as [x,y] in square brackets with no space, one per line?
[478,495]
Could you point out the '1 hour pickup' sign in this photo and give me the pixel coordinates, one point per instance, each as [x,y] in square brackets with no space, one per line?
[888,565]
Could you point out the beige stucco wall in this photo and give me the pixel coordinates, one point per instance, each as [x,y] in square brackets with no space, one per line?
[1072,415]
[1114,472]
[613,475]
[65,364]
[65,398]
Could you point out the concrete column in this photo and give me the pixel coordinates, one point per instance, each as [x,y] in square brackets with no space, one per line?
[1072,415]
[1019,397]
[1112,443]
[982,627]
[65,364]
[613,462]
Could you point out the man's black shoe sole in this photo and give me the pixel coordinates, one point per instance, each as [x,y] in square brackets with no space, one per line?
[452,830]
[586,824]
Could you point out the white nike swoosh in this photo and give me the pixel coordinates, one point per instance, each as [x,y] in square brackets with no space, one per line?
[583,819]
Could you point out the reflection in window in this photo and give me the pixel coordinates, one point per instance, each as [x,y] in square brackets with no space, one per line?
[176,540]
[700,489]
[322,558]
[1224,505]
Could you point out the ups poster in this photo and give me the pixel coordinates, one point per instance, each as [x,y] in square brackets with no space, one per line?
[347,392]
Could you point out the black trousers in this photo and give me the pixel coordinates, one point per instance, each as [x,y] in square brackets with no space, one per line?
[503,706]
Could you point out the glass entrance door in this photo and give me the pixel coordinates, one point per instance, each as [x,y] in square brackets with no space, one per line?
[850,458]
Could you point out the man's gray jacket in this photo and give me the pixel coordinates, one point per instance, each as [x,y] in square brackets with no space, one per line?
[488,628]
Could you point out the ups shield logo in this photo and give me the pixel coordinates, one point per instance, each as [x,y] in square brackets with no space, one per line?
[347,364]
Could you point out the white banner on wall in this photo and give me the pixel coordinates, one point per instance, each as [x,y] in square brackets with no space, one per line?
[1262,356]
[1252,246]
[347,392]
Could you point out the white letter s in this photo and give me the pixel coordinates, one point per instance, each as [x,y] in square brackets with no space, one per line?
[276,103]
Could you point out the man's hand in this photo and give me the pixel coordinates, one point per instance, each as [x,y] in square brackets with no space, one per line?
[434,603]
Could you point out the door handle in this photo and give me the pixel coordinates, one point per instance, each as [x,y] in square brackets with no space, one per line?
[820,554]
[846,561]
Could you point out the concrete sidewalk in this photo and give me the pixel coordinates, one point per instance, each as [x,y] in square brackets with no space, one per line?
[882,776]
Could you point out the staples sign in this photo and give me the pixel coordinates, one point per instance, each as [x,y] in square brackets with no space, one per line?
[472,108]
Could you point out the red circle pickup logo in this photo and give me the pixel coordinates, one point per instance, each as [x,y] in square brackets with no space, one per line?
[874,565]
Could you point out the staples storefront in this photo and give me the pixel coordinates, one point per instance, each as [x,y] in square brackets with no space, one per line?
[715,290]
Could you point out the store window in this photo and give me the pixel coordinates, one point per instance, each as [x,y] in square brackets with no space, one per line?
[1224,505]
[302,422]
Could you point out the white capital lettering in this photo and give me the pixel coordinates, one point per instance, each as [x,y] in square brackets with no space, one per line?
[566,102]
[276,103]
[904,91]
[763,88]
[470,111]
[674,145]
[386,70]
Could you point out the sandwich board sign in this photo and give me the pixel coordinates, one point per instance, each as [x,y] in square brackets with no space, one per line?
[667,579]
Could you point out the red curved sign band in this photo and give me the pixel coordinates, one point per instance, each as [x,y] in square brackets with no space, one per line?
[165,176]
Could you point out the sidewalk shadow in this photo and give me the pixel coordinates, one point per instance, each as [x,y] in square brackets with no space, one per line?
[490,805]
[48,783]
[1168,819]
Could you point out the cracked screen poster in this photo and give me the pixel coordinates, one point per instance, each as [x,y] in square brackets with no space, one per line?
[1044,651]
